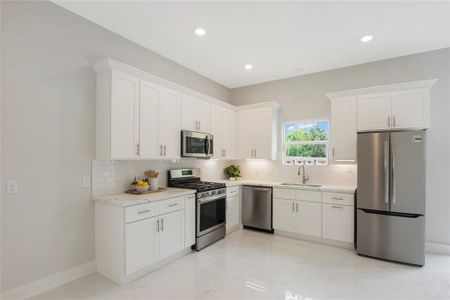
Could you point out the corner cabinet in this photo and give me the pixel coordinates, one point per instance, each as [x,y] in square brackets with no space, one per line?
[129,117]
[131,241]
[223,129]
[256,132]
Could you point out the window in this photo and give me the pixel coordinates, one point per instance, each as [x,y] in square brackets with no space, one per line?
[305,142]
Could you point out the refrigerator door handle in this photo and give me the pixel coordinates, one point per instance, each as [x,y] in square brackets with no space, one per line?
[394,188]
[386,172]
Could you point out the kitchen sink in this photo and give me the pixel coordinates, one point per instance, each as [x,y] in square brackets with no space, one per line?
[300,184]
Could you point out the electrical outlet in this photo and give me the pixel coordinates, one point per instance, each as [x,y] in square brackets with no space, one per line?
[12,186]
[86,182]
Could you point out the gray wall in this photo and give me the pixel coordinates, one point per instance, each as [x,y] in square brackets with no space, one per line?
[303,97]
[48,132]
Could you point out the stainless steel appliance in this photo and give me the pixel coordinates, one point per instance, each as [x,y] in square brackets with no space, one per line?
[210,207]
[257,207]
[196,144]
[391,196]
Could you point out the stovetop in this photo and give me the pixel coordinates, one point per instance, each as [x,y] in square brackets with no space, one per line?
[199,186]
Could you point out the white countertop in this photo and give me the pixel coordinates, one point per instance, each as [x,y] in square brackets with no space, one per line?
[348,189]
[125,199]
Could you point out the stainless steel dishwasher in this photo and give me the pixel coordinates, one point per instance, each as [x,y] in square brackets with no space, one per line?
[257,207]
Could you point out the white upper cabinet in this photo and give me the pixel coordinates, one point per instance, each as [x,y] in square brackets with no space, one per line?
[195,114]
[148,120]
[410,108]
[257,131]
[343,130]
[169,131]
[222,127]
[374,111]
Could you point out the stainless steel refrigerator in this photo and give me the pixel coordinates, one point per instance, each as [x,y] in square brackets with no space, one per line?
[391,196]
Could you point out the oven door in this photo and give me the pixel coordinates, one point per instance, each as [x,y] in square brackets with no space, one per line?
[196,144]
[210,214]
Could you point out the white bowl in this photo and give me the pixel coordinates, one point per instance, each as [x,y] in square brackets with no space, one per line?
[142,189]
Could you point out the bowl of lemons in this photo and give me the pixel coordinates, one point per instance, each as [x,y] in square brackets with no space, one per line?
[142,186]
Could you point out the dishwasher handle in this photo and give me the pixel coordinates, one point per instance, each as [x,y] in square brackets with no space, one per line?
[258,189]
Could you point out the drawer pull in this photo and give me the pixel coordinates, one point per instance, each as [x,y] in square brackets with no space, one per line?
[172,205]
[144,211]
[338,207]
[335,198]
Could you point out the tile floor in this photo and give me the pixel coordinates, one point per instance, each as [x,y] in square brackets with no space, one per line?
[253,265]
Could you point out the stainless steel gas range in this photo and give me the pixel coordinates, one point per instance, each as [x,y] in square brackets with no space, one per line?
[211,205]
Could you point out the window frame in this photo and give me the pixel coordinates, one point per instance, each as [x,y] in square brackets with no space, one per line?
[284,143]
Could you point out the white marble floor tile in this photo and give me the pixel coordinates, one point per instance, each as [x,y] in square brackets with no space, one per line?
[254,265]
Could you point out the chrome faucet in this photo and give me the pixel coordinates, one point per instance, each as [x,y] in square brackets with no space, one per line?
[305,177]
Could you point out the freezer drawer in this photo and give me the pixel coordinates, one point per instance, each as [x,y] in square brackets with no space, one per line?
[391,237]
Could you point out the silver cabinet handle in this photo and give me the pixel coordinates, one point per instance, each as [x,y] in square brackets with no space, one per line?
[293,207]
[143,211]
[296,204]
[389,121]
[172,205]
[386,172]
[157,225]
[165,150]
[337,207]
[332,152]
[335,198]
[160,150]
[162,224]
[138,150]
[255,153]
[393,121]
[394,185]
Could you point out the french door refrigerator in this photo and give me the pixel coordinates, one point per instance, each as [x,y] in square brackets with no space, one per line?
[391,196]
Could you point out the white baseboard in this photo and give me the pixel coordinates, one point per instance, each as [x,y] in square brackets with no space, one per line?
[46,283]
[437,248]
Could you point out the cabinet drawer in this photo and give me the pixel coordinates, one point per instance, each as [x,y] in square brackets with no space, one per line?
[233,191]
[284,193]
[338,222]
[308,195]
[338,198]
[141,211]
[170,205]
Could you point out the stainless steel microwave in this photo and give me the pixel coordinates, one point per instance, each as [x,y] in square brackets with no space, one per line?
[196,144]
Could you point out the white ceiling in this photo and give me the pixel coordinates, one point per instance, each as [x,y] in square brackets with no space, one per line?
[280,39]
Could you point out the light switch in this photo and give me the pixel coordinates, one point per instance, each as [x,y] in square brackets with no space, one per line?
[12,186]
[86,182]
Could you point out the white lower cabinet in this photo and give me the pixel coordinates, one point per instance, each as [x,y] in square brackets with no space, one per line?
[311,213]
[233,208]
[130,241]
[338,222]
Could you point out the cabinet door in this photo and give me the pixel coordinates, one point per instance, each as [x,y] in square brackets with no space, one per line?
[262,133]
[343,130]
[228,131]
[189,220]
[124,115]
[374,111]
[171,233]
[410,108]
[148,120]
[169,123]
[141,244]
[218,131]
[245,134]
[232,217]
[188,119]
[202,115]
[338,222]
[308,218]
[283,215]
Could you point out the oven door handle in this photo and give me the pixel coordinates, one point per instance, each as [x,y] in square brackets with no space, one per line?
[211,198]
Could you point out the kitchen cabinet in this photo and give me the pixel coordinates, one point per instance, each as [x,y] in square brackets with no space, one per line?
[223,129]
[283,215]
[308,218]
[343,130]
[135,239]
[257,132]
[410,108]
[141,242]
[338,222]
[169,134]
[233,209]
[195,114]
[374,111]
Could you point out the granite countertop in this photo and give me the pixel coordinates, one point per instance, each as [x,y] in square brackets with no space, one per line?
[125,199]
[349,189]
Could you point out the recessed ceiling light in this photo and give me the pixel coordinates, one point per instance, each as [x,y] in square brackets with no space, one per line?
[248,67]
[366,38]
[200,31]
